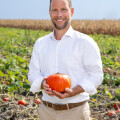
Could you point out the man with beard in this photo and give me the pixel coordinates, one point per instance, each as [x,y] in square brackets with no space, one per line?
[69,52]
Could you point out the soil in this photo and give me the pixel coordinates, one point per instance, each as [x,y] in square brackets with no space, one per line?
[100,104]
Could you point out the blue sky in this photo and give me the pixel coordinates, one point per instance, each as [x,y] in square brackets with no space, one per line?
[39,9]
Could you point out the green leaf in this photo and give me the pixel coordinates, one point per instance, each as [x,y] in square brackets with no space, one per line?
[1,74]
[117,63]
[12,77]
[118,90]
[107,92]
[27,86]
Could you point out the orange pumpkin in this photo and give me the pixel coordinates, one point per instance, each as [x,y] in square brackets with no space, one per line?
[59,82]
[22,102]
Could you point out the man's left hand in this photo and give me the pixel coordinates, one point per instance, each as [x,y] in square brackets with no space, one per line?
[69,92]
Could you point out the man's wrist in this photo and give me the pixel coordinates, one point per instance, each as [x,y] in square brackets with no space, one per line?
[42,84]
[78,89]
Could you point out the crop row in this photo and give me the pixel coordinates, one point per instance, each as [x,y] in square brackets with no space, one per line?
[107,27]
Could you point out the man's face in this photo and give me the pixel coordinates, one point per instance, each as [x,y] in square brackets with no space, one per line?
[61,14]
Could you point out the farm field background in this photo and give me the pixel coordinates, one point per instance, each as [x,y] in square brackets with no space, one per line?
[15,51]
[109,27]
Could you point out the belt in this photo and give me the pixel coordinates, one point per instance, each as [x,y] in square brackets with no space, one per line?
[63,106]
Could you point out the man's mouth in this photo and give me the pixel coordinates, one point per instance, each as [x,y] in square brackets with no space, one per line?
[59,20]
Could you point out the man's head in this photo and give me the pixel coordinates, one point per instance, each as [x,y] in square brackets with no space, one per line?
[69,2]
[61,12]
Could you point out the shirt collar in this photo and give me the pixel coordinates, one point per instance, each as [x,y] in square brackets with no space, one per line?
[69,33]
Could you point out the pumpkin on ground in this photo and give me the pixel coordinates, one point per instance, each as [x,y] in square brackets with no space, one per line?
[22,102]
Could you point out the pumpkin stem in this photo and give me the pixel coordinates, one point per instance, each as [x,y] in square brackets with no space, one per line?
[57,73]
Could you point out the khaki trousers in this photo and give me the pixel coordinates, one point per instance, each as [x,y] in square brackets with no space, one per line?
[79,113]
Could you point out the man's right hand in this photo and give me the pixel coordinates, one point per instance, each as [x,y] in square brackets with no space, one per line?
[46,87]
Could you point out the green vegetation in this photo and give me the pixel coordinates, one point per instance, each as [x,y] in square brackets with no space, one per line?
[16,48]
[15,52]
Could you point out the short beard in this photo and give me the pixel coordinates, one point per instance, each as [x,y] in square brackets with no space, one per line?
[62,27]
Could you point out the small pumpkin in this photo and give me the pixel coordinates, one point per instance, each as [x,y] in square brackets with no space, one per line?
[5,98]
[22,102]
[59,82]
[38,101]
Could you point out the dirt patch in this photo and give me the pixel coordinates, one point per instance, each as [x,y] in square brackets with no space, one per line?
[100,104]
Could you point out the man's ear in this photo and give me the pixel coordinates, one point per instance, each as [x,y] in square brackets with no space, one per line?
[72,11]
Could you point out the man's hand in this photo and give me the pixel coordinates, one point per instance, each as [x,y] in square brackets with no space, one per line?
[68,92]
[46,87]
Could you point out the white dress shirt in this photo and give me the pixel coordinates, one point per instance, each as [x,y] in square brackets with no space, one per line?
[76,54]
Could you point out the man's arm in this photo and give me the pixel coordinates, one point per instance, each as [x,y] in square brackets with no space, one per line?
[93,66]
[34,76]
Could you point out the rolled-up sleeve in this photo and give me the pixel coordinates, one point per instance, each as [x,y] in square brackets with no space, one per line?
[93,67]
[34,75]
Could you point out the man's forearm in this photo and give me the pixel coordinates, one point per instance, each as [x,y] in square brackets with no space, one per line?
[76,90]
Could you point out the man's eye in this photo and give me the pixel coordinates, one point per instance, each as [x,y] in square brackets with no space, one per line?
[54,10]
[63,9]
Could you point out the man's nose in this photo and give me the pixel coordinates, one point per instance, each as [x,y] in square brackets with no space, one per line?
[59,14]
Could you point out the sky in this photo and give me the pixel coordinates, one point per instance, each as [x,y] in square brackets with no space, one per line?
[39,9]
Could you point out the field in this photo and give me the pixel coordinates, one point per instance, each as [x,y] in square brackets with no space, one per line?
[109,27]
[15,52]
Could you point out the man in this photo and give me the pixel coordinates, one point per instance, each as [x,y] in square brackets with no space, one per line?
[70,52]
